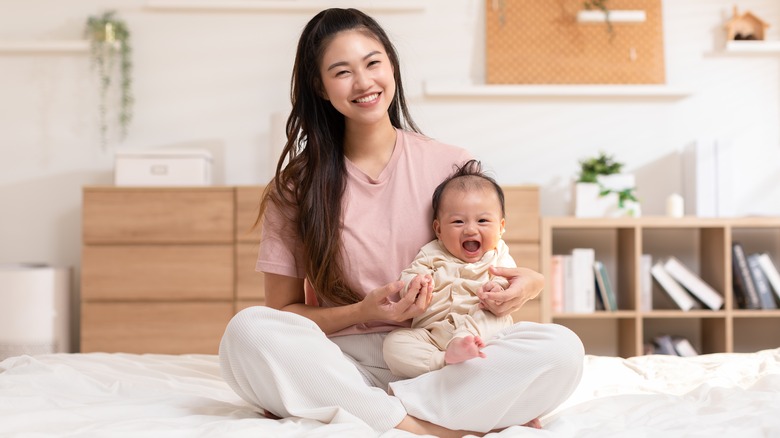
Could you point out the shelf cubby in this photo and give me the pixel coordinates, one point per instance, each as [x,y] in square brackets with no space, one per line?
[702,244]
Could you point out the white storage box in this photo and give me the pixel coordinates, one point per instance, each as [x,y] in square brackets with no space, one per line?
[34,310]
[163,168]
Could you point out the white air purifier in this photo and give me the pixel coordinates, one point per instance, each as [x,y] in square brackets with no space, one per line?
[34,310]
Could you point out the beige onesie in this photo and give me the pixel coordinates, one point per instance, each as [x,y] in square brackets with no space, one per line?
[454,311]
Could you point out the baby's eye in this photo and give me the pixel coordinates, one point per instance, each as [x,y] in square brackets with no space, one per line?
[457,221]
[484,221]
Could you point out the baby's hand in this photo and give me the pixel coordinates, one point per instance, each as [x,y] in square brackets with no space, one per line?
[492,286]
[420,283]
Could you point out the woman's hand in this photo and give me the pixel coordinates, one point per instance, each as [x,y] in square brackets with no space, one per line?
[524,284]
[377,304]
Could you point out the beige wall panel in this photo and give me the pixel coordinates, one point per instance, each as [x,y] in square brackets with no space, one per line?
[155,215]
[154,272]
[166,328]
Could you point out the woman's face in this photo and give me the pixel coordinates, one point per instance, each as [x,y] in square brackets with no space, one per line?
[357,78]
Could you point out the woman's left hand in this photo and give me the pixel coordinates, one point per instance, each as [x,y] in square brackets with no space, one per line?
[524,285]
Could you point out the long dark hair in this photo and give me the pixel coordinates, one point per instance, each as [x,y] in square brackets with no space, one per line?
[310,187]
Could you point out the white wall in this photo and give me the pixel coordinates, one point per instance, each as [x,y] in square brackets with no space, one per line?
[215,79]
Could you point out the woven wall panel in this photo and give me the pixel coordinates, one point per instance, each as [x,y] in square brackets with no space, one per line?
[540,42]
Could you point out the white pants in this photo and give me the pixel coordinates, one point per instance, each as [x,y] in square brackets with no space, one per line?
[284,363]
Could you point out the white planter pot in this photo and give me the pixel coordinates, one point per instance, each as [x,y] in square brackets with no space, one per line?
[588,201]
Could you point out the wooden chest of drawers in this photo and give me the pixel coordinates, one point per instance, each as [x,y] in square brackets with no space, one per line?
[164,269]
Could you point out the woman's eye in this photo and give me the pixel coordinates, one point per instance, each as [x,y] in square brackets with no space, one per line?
[371,63]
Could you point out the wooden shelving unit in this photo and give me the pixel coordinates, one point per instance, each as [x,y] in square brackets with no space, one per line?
[704,245]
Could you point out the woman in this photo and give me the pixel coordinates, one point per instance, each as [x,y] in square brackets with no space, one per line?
[340,220]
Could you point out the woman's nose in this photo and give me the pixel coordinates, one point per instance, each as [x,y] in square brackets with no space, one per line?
[362,80]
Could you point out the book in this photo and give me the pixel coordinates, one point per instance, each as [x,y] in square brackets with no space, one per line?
[762,283]
[583,281]
[673,289]
[683,347]
[556,283]
[744,288]
[604,287]
[770,270]
[646,283]
[568,283]
[663,345]
[693,283]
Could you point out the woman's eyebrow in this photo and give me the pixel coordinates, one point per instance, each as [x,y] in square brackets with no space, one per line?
[340,63]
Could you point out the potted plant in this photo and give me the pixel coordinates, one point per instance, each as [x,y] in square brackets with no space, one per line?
[602,189]
[111,52]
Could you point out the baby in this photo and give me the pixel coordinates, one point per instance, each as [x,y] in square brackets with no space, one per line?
[468,219]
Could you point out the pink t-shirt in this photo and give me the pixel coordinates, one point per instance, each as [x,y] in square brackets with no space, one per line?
[385,223]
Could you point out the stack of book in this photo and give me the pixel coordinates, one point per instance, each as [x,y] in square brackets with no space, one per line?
[671,345]
[756,279]
[686,289]
[580,283]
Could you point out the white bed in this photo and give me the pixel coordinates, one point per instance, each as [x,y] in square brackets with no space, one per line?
[120,395]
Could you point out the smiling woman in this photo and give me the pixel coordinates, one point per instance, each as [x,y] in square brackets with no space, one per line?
[347,210]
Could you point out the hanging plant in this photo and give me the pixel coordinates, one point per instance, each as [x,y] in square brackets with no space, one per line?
[601,5]
[110,42]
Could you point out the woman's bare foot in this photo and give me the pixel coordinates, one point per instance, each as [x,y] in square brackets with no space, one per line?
[463,349]
[535,423]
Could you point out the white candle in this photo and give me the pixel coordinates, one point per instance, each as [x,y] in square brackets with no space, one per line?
[675,206]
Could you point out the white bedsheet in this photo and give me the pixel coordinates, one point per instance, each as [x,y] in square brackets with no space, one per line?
[117,395]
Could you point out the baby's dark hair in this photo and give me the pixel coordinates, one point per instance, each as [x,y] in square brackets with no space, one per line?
[467,177]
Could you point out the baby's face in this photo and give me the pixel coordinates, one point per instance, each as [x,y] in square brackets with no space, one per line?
[469,223]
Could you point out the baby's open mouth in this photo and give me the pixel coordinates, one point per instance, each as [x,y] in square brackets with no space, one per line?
[471,245]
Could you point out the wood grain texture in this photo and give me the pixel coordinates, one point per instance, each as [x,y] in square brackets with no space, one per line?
[165,328]
[249,283]
[158,215]
[157,272]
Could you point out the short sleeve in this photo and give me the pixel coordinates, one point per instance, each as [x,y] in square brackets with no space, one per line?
[281,251]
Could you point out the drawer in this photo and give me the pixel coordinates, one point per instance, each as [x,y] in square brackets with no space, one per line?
[157,272]
[247,208]
[522,213]
[243,304]
[155,215]
[525,255]
[249,283]
[531,312]
[165,328]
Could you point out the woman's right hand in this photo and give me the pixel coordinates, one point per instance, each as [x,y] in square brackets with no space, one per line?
[377,304]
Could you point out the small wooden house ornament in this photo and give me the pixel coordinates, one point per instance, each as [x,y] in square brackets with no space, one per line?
[745,27]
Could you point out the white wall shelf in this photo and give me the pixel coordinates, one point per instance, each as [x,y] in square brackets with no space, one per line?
[753,47]
[616,16]
[444,89]
[40,47]
[281,5]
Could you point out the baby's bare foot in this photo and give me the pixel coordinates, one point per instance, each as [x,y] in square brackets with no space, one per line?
[463,349]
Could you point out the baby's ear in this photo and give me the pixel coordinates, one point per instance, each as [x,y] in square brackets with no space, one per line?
[437,228]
